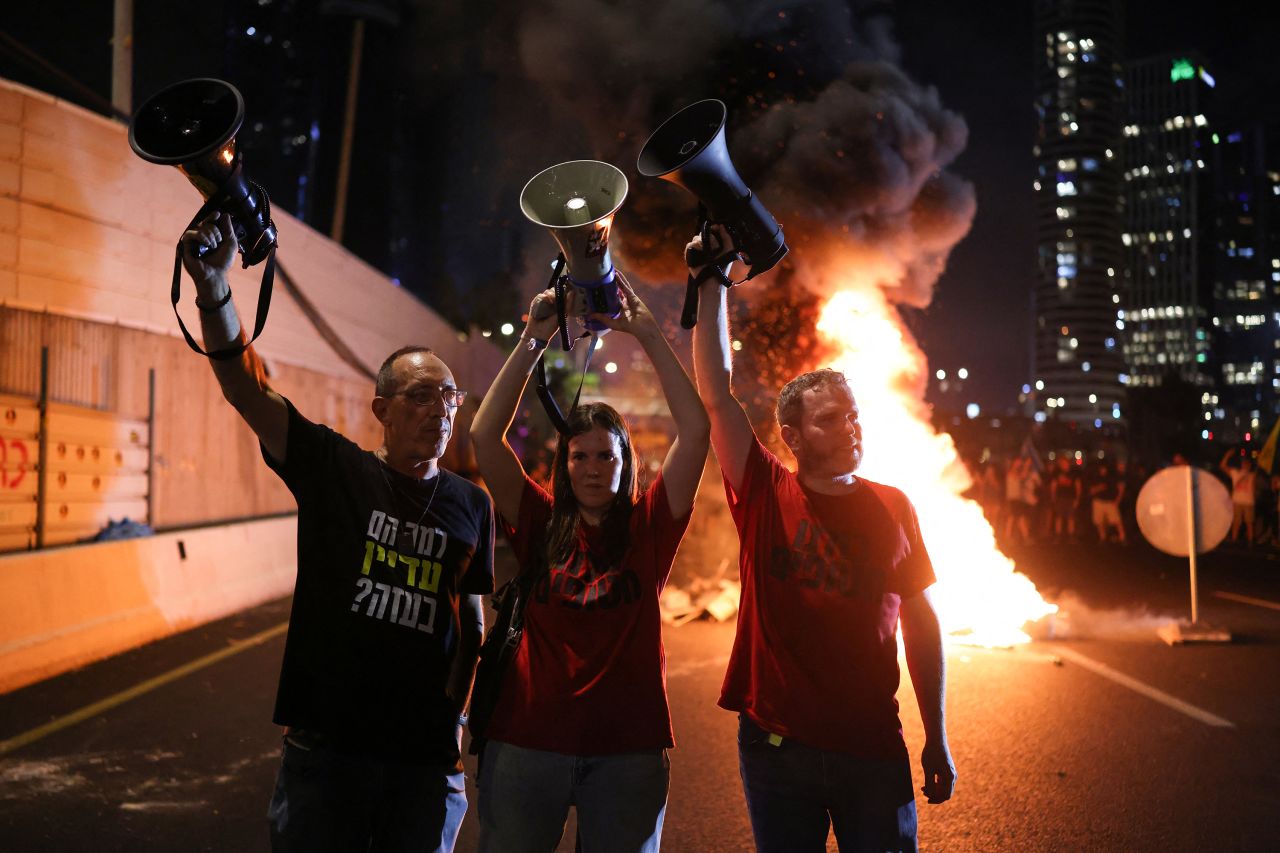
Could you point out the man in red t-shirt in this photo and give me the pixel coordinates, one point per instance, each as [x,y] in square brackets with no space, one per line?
[829,562]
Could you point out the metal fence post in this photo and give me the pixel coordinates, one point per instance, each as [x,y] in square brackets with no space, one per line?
[151,447]
[43,444]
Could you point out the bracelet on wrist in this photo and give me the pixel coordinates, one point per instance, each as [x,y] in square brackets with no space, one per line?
[217,306]
[534,344]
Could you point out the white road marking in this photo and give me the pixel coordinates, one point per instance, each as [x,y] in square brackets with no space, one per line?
[1145,689]
[1257,602]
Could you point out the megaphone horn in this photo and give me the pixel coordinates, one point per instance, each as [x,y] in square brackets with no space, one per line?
[689,150]
[192,125]
[576,202]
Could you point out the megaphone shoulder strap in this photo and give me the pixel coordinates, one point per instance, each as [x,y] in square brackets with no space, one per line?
[713,266]
[557,417]
[264,294]
[557,284]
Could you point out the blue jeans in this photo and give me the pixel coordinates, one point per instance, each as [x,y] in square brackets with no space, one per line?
[796,793]
[326,800]
[525,795]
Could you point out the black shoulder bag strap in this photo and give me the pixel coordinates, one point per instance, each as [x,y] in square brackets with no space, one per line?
[498,649]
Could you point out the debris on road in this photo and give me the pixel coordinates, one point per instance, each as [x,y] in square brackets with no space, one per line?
[715,598]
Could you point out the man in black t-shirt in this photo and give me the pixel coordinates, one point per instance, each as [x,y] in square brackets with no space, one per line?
[394,554]
[1106,491]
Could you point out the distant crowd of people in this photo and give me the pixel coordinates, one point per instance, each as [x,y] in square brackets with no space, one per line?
[1080,500]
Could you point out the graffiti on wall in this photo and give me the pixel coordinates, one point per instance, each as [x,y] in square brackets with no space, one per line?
[15,459]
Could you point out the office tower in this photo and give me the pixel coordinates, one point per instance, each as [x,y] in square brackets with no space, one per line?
[1078,360]
[1245,268]
[1168,235]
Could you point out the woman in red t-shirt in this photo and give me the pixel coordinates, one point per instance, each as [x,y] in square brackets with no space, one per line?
[582,717]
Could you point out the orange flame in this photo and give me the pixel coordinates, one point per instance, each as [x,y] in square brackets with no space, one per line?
[980,599]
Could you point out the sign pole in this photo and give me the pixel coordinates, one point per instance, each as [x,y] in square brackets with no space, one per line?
[1191,538]
[1182,511]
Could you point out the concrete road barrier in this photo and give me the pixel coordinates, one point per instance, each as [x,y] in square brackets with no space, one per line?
[61,608]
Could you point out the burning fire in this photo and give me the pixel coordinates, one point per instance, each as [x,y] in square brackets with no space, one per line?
[980,599]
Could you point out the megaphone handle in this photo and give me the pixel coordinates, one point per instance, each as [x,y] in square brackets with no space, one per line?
[264,294]
[689,316]
[721,263]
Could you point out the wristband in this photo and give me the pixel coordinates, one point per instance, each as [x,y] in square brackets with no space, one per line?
[209,309]
[533,344]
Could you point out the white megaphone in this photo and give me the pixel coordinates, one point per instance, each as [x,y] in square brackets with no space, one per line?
[576,202]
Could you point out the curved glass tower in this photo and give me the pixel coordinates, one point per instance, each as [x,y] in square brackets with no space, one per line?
[1078,359]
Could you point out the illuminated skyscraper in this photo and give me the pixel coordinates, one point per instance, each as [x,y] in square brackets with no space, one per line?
[1245,266]
[1202,279]
[1168,234]
[1078,360]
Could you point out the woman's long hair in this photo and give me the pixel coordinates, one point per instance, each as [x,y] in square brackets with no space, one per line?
[562,532]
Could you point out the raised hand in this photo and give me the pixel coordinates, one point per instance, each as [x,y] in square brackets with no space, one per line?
[698,256]
[544,320]
[215,234]
[635,318]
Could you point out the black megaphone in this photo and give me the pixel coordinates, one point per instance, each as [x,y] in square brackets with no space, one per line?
[192,125]
[689,150]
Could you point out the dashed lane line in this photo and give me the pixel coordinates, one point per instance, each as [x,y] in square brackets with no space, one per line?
[1257,602]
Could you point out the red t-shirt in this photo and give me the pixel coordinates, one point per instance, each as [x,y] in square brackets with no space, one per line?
[816,655]
[589,678]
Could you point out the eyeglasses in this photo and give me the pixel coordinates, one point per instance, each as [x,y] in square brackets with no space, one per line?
[425,396]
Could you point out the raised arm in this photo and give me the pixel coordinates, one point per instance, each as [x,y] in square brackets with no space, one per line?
[499,465]
[922,640]
[682,469]
[731,432]
[243,380]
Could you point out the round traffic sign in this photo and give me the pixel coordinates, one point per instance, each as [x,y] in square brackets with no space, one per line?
[1163,504]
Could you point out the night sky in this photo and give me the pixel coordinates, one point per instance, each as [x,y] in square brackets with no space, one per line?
[977,56]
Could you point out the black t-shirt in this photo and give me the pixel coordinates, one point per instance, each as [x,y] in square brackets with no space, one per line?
[382,559]
[1106,487]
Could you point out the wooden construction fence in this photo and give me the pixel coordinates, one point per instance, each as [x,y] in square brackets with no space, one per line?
[206,465]
[95,470]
